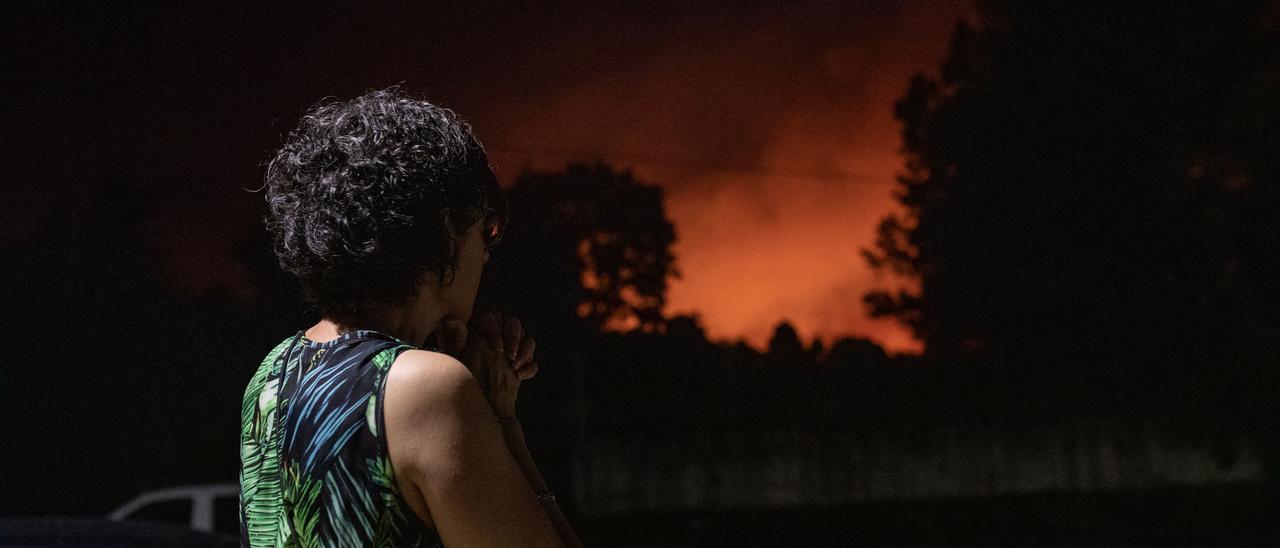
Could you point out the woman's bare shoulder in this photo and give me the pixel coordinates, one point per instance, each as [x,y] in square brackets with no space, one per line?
[430,400]
[449,449]
[429,377]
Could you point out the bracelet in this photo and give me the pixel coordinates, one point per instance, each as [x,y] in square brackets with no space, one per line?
[546,495]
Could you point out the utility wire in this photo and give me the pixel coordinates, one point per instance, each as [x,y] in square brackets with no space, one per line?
[698,165]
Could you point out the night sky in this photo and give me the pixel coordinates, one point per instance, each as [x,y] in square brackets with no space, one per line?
[770,128]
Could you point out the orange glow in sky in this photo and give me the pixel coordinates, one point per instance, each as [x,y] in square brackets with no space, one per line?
[777,151]
[770,129]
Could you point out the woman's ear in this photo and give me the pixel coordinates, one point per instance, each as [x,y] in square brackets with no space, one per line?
[431,281]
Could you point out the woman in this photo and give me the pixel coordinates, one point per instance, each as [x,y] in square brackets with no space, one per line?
[385,209]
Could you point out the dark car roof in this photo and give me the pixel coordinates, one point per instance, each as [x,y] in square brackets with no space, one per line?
[64,531]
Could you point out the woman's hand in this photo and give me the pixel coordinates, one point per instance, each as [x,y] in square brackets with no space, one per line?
[518,347]
[497,353]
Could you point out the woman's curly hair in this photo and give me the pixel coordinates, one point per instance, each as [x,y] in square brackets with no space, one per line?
[363,195]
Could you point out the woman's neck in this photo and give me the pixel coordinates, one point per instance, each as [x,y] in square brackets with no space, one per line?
[404,323]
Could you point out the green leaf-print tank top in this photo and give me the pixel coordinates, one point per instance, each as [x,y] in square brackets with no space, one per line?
[314,469]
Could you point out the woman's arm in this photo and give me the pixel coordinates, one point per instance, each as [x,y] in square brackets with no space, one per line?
[514,434]
[444,437]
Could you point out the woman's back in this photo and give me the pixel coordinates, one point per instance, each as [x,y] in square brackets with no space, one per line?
[314,463]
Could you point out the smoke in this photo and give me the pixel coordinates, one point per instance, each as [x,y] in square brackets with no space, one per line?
[772,132]
[769,125]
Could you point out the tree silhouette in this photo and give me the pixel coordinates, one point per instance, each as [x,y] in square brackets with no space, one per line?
[1093,188]
[585,249]
[855,352]
[686,330]
[785,341]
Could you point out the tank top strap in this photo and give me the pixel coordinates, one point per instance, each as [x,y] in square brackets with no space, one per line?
[362,334]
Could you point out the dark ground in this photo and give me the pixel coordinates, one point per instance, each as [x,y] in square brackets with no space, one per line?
[1242,515]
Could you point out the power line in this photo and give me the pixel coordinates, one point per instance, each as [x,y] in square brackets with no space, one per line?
[700,165]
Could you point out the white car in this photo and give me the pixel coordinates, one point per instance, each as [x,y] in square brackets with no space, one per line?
[207,508]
